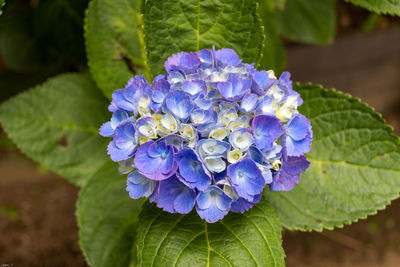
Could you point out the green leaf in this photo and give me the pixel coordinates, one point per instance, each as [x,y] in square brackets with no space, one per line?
[274,56]
[57,123]
[107,219]
[114,42]
[173,26]
[2,4]
[354,169]
[391,7]
[308,21]
[249,239]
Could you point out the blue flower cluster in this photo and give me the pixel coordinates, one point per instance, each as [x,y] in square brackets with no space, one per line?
[210,134]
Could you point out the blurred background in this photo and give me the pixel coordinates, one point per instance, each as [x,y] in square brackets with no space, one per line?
[39,39]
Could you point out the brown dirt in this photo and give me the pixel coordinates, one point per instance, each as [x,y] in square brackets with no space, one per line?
[37,216]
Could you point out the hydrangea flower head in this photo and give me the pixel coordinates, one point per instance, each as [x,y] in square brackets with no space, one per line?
[211,133]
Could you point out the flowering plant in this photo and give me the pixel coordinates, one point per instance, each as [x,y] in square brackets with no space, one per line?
[212,132]
[212,135]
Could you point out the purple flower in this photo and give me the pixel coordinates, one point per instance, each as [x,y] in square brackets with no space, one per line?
[139,185]
[108,128]
[156,160]
[125,141]
[192,170]
[241,205]
[298,136]
[179,104]
[219,131]
[234,89]
[212,204]
[174,196]
[267,129]
[246,179]
[289,174]
[129,97]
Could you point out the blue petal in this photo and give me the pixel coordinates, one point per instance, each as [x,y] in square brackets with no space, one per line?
[226,56]
[118,154]
[213,204]
[218,176]
[160,91]
[267,106]
[120,100]
[139,186]
[234,88]
[298,148]
[176,79]
[169,191]
[172,139]
[267,129]
[213,147]
[241,138]
[242,205]
[106,130]
[118,117]
[113,107]
[128,98]
[206,58]
[249,103]
[298,127]
[246,179]
[184,202]
[289,174]
[125,135]
[266,173]
[168,164]
[152,166]
[255,154]
[192,170]
[195,88]
[179,104]
[284,79]
[187,62]
[261,82]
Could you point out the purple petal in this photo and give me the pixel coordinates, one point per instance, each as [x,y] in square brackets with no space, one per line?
[106,130]
[227,56]
[242,205]
[267,129]
[298,127]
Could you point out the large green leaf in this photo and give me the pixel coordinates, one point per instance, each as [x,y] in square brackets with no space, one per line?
[114,42]
[354,169]
[107,219]
[379,6]
[309,21]
[249,239]
[57,124]
[273,55]
[173,26]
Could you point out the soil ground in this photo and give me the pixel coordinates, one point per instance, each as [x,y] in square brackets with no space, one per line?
[37,208]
